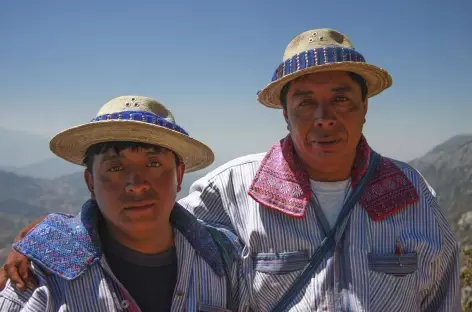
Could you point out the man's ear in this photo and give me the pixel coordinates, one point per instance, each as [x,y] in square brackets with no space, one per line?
[180,175]
[366,107]
[89,181]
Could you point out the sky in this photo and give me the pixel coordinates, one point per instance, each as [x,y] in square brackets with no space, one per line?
[60,61]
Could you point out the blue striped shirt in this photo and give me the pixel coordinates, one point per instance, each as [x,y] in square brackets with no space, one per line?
[363,273]
[81,279]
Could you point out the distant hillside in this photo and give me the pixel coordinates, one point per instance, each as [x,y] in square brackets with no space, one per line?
[448,168]
[22,148]
[28,154]
[48,169]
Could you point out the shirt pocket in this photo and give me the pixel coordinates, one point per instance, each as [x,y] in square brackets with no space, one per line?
[395,264]
[211,308]
[272,275]
[280,263]
[392,282]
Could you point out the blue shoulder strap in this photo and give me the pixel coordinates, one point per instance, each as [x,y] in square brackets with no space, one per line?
[330,240]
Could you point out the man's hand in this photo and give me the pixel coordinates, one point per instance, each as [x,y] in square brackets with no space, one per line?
[17,266]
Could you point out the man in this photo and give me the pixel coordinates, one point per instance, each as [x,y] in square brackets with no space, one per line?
[327,223]
[132,248]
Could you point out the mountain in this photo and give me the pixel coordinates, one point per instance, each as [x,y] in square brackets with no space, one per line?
[48,168]
[28,154]
[448,169]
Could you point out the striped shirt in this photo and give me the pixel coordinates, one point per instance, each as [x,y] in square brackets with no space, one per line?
[363,273]
[81,279]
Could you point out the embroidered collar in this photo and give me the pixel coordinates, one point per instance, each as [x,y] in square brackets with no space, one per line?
[66,245]
[282,184]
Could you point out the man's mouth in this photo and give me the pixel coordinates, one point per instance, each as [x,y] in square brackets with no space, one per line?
[327,143]
[140,206]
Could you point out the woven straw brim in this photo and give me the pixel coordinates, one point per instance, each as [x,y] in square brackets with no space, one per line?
[72,144]
[377,80]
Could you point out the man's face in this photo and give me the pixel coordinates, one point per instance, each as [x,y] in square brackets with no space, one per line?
[136,188]
[325,113]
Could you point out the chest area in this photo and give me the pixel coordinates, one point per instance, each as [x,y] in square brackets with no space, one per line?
[193,287]
[390,256]
[151,285]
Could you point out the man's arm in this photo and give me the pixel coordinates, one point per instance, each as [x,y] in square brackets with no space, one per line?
[17,267]
[445,294]
[7,305]
[13,300]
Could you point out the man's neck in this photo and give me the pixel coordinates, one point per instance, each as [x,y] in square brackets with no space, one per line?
[328,176]
[159,240]
[340,172]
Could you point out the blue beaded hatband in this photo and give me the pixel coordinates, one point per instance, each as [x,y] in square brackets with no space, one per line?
[316,57]
[321,50]
[144,117]
[147,122]
[323,59]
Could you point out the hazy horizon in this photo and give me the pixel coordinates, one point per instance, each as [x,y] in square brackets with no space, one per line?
[205,61]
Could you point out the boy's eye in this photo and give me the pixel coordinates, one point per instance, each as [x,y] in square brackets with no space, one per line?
[115,169]
[154,164]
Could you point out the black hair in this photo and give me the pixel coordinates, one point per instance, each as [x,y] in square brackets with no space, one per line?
[355,77]
[117,147]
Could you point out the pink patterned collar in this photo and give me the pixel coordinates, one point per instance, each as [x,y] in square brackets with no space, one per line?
[282,184]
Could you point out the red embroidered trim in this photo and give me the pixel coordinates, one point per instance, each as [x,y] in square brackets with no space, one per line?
[388,191]
[282,184]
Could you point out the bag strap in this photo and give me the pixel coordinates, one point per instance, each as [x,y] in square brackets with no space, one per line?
[330,240]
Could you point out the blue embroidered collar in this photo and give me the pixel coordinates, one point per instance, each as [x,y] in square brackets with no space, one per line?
[66,245]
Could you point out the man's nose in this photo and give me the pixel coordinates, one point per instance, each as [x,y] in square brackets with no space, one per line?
[324,117]
[136,184]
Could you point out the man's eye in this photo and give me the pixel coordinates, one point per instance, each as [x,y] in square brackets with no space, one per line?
[341,99]
[154,164]
[115,169]
[305,103]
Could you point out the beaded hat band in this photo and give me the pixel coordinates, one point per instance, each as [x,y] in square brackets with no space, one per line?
[321,50]
[133,119]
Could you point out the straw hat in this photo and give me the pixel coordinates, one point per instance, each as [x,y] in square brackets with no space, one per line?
[135,119]
[320,50]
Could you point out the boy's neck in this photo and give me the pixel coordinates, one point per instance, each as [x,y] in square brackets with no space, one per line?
[157,241]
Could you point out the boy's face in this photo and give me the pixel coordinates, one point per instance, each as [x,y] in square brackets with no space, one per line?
[135,188]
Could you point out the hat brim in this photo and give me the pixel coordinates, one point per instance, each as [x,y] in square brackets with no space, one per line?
[72,144]
[377,80]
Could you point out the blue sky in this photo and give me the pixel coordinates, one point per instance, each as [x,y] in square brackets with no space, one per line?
[205,60]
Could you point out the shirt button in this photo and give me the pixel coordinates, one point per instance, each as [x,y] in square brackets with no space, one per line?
[124,304]
[179,293]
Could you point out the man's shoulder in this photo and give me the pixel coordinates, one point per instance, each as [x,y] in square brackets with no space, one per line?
[415,176]
[245,164]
